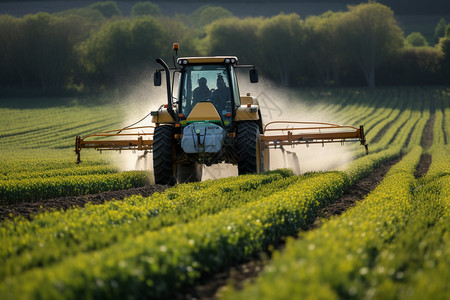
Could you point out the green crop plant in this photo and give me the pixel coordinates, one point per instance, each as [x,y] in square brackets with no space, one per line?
[333,261]
[154,247]
[207,243]
[99,226]
[34,189]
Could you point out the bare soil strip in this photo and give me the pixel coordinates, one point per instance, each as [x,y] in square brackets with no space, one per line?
[424,165]
[427,136]
[27,210]
[426,142]
[354,194]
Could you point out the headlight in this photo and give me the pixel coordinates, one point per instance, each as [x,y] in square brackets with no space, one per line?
[233,60]
[185,61]
[227,60]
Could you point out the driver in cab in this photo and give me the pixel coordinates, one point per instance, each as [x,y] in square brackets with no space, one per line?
[202,92]
[221,97]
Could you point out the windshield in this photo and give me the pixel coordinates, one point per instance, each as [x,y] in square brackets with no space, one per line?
[206,83]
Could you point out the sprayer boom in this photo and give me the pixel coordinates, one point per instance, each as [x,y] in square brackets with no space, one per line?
[281,133]
[276,134]
[139,143]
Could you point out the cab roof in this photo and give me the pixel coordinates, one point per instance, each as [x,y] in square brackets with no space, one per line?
[208,60]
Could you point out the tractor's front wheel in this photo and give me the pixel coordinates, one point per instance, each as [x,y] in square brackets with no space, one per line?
[164,169]
[249,148]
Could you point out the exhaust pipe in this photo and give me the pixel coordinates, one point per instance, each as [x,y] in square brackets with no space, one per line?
[169,92]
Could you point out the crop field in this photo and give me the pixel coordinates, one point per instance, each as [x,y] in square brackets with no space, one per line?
[392,243]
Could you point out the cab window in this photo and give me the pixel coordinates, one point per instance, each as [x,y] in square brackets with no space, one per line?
[206,83]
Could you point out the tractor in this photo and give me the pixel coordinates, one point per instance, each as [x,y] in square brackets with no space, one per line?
[209,122]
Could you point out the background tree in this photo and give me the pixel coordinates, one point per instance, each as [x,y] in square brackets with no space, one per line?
[416,39]
[325,45]
[439,31]
[444,46]
[232,36]
[39,49]
[108,9]
[90,15]
[145,8]
[412,65]
[121,50]
[207,14]
[8,45]
[283,47]
[81,47]
[177,31]
[372,35]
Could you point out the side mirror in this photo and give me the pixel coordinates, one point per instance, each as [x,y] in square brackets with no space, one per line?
[157,78]
[253,76]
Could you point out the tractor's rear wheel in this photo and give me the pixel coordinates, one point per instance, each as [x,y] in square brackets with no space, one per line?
[191,172]
[163,155]
[249,148]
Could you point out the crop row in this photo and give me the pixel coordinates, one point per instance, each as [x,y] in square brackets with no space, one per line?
[154,263]
[35,189]
[25,128]
[397,249]
[415,264]
[19,121]
[16,162]
[333,261]
[74,170]
[33,175]
[403,132]
[56,137]
[98,226]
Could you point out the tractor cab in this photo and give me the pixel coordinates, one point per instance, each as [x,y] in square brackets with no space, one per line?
[208,98]
[208,91]
[206,83]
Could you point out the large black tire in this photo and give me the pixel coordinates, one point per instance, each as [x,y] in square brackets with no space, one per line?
[163,155]
[191,172]
[249,148]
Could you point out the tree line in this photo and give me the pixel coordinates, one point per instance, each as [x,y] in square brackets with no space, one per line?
[95,47]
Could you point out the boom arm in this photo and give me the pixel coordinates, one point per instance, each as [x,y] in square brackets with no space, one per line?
[281,133]
[136,144]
